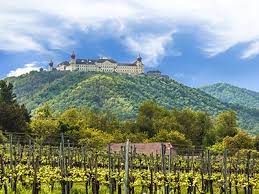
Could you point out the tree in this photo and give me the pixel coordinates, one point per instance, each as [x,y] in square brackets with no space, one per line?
[129,126]
[174,137]
[186,118]
[218,147]
[70,122]
[104,121]
[168,122]
[120,136]
[43,112]
[2,137]
[226,124]
[6,93]
[148,112]
[240,141]
[202,129]
[194,125]
[72,118]
[13,117]
[94,138]
[44,128]
[210,138]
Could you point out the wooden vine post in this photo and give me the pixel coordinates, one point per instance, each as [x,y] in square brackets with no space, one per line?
[170,160]
[163,151]
[202,171]
[62,165]
[12,180]
[225,171]
[249,187]
[210,172]
[69,163]
[151,167]
[11,150]
[119,170]
[126,184]
[109,167]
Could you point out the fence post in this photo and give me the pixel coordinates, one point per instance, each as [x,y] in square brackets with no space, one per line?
[210,173]
[163,157]
[11,158]
[188,160]
[29,153]
[126,186]
[11,150]
[69,163]
[109,167]
[202,171]
[225,170]
[163,150]
[249,189]
[170,161]
[62,164]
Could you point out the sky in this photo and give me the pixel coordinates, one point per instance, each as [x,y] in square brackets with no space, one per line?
[196,42]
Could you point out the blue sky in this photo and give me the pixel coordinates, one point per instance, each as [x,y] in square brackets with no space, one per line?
[196,42]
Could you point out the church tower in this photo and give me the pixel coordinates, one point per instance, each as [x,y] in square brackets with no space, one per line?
[50,68]
[73,64]
[73,58]
[139,64]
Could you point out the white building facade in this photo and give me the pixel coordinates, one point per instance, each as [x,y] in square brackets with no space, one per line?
[101,65]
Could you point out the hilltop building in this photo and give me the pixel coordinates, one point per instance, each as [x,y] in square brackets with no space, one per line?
[99,65]
[154,73]
[51,66]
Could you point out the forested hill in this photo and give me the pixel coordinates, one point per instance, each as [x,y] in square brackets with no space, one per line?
[232,94]
[119,94]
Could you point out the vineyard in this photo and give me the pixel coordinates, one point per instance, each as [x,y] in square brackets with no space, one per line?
[61,166]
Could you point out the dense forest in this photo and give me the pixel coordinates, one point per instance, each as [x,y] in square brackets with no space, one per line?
[232,94]
[97,128]
[119,94]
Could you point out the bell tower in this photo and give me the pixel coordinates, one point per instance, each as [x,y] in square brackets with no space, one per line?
[139,60]
[73,58]
[50,68]
[73,62]
[140,65]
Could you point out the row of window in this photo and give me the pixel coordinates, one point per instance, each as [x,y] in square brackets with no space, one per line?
[109,66]
[109,70]
[132,71]
[128,69]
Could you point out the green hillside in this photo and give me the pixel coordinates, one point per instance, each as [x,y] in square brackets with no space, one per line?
[120,94]
[232,94]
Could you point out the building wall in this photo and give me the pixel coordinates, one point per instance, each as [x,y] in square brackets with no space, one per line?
[82,67]
[130,69]
[50,68]
[106,66]
[61,68]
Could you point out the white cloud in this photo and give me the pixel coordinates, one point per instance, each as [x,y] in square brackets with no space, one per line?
[251,51]
[151,47]
[17,42]
[23,70]
[39,25]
